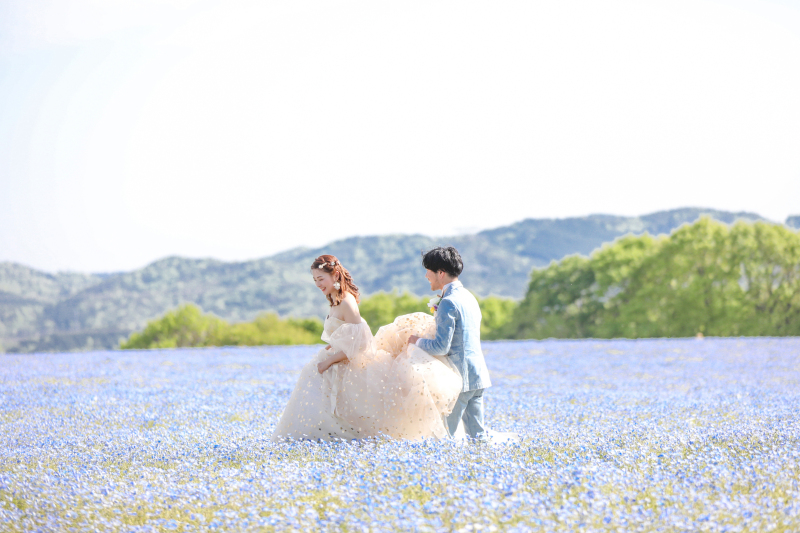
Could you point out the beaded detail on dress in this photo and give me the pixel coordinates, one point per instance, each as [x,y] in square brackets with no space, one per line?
[385,387]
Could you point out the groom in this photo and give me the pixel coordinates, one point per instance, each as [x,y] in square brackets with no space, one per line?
[458,335]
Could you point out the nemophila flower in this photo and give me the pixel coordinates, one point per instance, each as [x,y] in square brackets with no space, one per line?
[180,439]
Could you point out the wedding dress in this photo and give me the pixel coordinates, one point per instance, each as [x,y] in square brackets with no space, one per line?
[385,387]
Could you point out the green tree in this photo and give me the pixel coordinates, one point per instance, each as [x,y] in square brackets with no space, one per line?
[187,326]
[704,278]
[183,327]
[688,286]
[559,302]
[383,307]
[496,313]
[267,329]
[768,256]
[616,267]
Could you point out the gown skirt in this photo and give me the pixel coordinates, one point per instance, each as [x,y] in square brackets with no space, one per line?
[384,388]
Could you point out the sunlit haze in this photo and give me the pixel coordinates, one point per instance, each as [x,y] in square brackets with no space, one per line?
[133,130]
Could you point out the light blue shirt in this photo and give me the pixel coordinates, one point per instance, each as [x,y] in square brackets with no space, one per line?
[458,336]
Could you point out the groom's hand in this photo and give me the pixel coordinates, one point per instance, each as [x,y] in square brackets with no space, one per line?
[413,339]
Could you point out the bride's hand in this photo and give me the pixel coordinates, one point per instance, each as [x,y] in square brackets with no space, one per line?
[328,347]
[322,367]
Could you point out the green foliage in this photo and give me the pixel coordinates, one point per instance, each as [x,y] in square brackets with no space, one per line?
[556,298]
[382,308]
[187,326]
[704,278]
[497,312]
[269,329]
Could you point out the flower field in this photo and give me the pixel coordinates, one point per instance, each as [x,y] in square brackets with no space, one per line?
[647,435]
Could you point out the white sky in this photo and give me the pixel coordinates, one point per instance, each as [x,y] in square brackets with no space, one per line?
[131,130]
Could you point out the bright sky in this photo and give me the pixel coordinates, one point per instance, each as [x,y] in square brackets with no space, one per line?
[131,130]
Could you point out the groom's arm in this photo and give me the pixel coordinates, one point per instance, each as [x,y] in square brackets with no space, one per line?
[445,328]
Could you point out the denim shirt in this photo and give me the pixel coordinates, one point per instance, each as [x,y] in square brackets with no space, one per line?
[458,335]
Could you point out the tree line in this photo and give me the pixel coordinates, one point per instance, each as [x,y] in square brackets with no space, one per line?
[707,277]
[188,326]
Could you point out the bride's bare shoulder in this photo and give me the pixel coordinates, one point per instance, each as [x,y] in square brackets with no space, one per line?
[349,309]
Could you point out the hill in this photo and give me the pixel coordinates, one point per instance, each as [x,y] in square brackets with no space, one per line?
[67,311]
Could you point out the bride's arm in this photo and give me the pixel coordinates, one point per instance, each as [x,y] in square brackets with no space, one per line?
[338,357]
[352,341]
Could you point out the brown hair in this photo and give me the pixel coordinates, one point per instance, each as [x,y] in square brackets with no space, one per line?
[331,265]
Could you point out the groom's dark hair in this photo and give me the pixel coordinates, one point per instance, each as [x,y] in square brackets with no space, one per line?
[443,259]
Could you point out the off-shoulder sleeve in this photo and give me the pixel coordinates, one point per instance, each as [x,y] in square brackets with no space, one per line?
[355,340]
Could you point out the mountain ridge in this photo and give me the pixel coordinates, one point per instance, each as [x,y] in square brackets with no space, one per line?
[41,311]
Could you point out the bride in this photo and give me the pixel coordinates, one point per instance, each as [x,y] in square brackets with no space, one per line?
[363,386]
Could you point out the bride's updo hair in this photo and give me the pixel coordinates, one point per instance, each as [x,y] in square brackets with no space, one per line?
[331,265]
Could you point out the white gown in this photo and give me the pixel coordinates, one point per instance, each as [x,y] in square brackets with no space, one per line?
[385,387]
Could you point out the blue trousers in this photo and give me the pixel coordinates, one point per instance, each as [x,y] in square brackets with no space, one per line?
[469,407]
